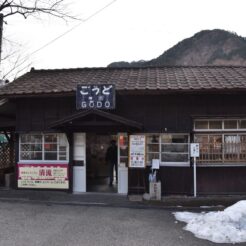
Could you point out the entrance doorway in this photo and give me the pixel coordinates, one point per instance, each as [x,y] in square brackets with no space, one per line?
[97,168]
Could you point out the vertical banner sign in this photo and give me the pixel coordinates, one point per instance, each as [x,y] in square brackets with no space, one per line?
[137,151]
[95,97]
[194,150]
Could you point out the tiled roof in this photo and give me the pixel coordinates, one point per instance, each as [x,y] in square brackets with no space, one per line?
[162,79]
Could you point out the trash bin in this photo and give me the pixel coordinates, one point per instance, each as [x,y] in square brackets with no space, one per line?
[9,180]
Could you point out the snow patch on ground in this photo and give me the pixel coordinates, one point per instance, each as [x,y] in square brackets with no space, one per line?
[228,226]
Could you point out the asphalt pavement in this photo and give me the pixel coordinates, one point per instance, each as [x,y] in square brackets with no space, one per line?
[40,224]
[40,218]
[116,200]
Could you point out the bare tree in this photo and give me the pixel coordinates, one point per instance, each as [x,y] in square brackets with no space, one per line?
[32,7]
[26,8]
[15,59]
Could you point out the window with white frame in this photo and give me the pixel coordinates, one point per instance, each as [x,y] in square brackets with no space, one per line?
[153,147]
[175,148]
[223,142]
[220,124]
[43,147]
[170,149]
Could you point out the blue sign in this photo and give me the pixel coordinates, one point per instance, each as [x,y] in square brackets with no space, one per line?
[95,96]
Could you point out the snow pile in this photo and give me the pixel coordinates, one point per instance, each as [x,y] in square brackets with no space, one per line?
[228,226]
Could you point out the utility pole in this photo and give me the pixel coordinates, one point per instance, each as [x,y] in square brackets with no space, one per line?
[1,35]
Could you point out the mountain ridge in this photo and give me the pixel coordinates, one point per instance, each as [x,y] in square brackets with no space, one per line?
[207,47]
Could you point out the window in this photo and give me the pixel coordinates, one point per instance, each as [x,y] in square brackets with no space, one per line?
[170,149]
[201,124]
[208,124]
[242,124]
[224,146]
[210,148]
[123,149]
[31,147]
[215,124]
[43,147]
[153,147]
[234,148]
[219,124]
[174,148]
[230,124]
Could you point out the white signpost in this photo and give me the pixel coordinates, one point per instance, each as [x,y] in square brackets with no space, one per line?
[194,152]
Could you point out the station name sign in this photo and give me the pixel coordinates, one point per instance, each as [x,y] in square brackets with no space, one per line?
[95,96]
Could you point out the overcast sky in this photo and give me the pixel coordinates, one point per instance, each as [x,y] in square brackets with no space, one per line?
[126,30]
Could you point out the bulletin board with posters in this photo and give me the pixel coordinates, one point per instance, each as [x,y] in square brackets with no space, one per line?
[137,151]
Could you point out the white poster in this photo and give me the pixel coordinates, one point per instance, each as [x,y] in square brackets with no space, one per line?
[194,150]
[43,176]
[155,164]
[137,151]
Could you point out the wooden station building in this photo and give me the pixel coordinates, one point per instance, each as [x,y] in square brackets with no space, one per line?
[171,106]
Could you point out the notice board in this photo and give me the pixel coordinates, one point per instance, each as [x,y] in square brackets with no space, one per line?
[137,150]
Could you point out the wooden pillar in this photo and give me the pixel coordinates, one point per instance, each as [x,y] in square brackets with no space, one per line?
[70,163]
[12,149]
[10,138]
[16,151]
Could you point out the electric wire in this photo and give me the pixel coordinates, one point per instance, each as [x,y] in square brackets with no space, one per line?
[63,34]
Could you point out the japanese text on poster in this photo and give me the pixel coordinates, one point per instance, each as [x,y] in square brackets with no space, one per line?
[137,151]
[43,176]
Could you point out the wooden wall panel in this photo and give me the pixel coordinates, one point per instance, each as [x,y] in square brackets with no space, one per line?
[210,180]
[157,112]
[176,180]
[221,180]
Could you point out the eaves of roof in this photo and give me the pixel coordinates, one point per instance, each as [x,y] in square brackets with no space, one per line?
[148,80]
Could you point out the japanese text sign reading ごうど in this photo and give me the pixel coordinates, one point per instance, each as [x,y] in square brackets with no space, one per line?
[95,96]
[137,151]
